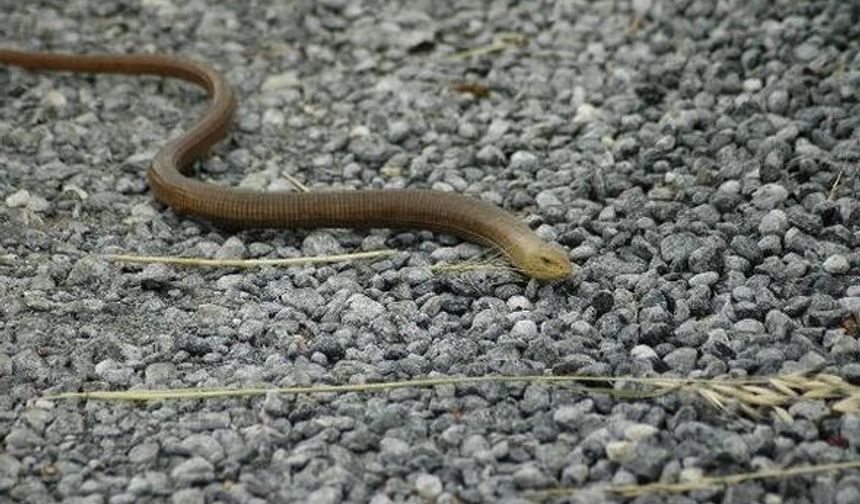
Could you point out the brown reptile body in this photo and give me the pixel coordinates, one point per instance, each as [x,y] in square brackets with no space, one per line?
[467,217]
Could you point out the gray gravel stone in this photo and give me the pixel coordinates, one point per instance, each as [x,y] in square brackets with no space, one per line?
[778,323]
[777,101]
[362,309]
[393,451]
[144,452]
[620,451]
[188,496]
[23,199]
[524,329]
[195,470]
[204,446]
[850,428]
[320,243]
[847,495]
[490,155]
[647,460]
[773,222]
[212,316]
[232,248]
[643,352]
[88,270]
[10,469]
[531,477]
[155,276]
[159,373]
[570,417]
[679,246]
[705,279]
[769,196]
[523,161]
[682,360]
[546,200]
[148,483]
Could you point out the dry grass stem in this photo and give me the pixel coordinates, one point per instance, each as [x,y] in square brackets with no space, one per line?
[751,396]
[203,393]
[298,185]
[250,263]
[777,393]
[832,195]
[500,43]
[731,479]
[705,482]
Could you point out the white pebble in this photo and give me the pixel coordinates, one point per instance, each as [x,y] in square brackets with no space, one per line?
[18,199]
[525,329]
[141,212]
[519,303]
[691,474]
[23,198]
[274,117]
[585,113]
[55,99]
[639,432]
[836,264]
[280,81]
[730,187]
[619,451]
[428,486]
[546,199]
[523,160]
[643,352]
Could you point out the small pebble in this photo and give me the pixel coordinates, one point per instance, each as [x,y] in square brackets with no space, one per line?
[836,264]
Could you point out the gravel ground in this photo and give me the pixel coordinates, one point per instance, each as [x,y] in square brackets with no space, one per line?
[700,164]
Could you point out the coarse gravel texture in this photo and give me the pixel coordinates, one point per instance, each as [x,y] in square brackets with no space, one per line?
[698,159]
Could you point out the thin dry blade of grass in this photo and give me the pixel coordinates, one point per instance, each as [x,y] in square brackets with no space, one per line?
[752,396]
[705,482]
[832,195]
[500,43]
[295,182]
[783,388]
[847,405]
[731,479]
[782,414]
[203,393]
[778,392]
[250,263]
[714,398]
